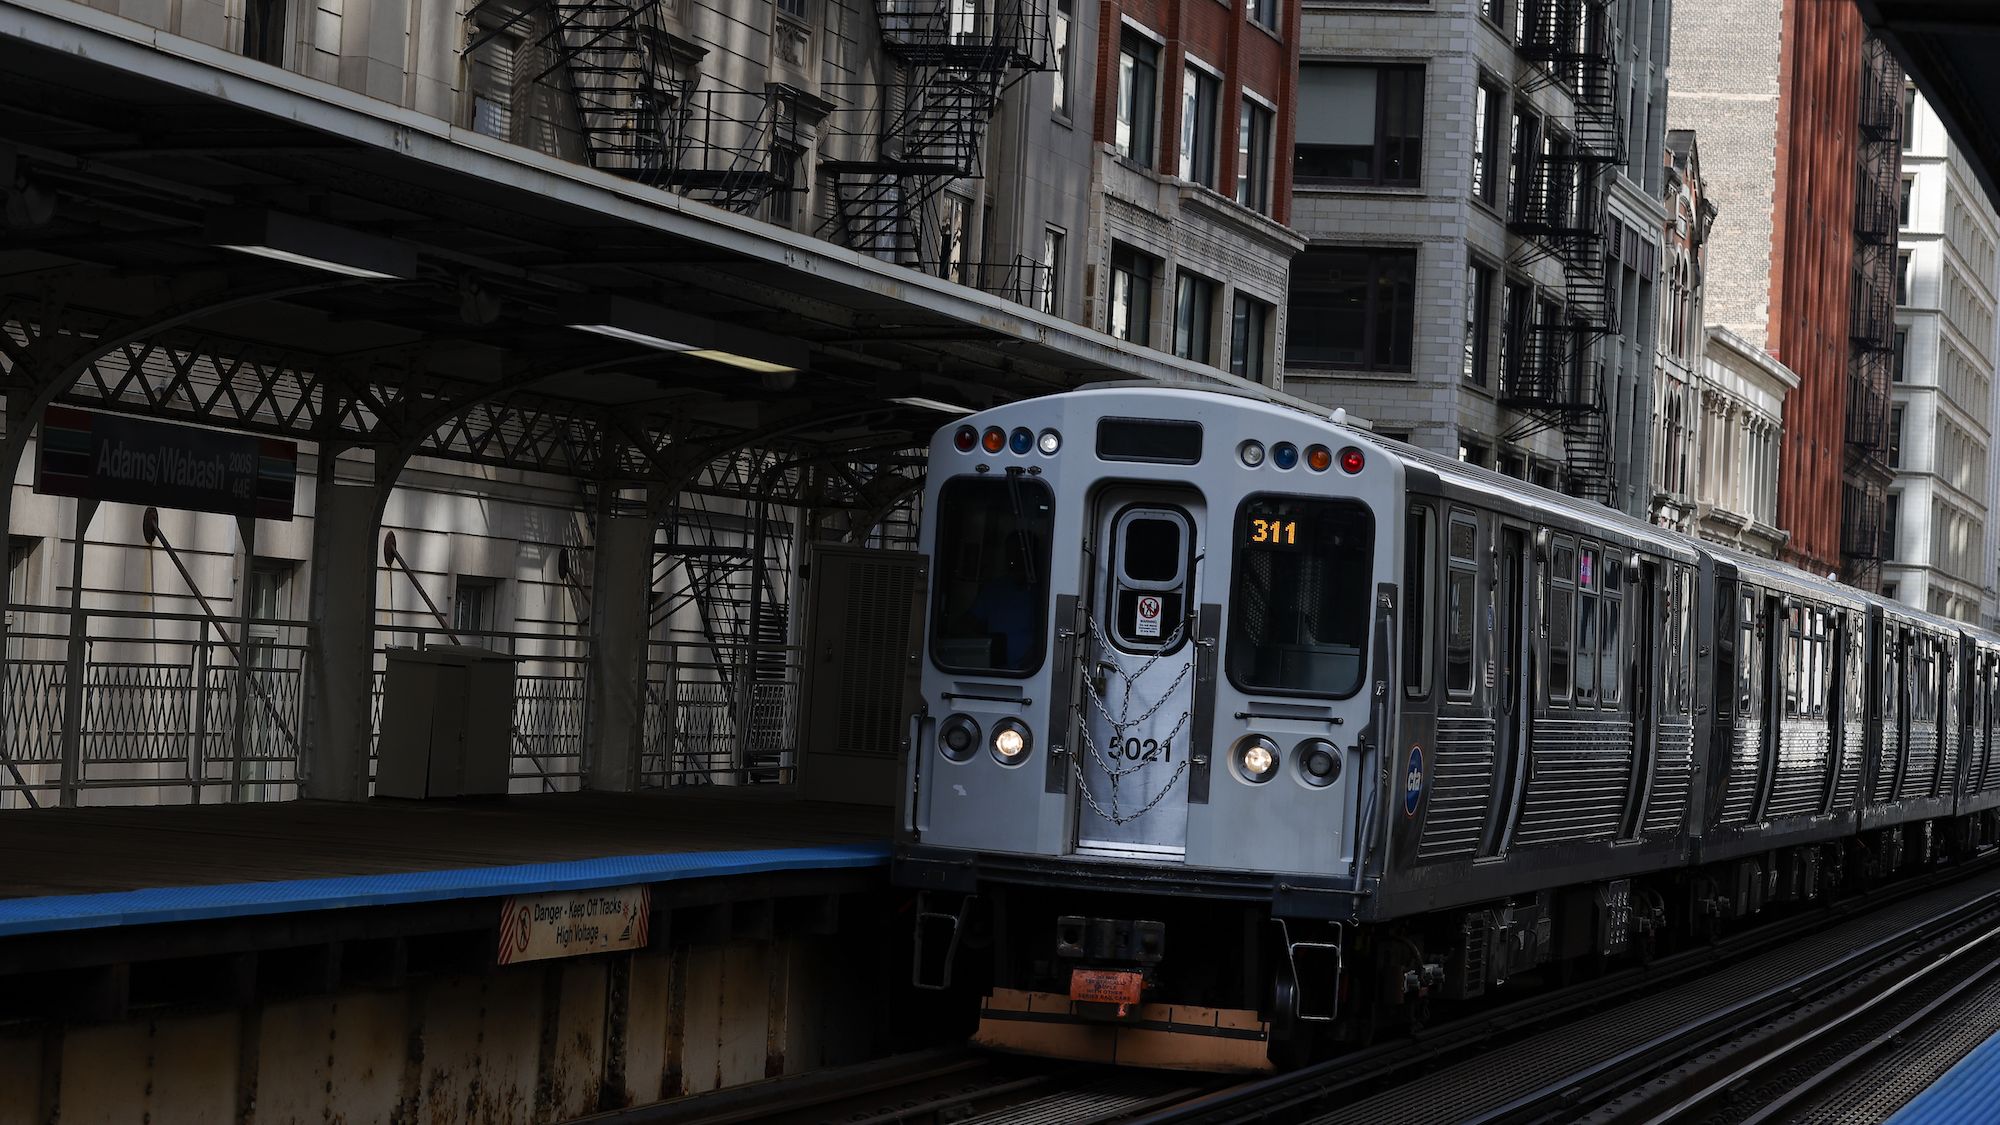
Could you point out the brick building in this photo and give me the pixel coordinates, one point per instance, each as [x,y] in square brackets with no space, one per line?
[1188,243]
[1798,120]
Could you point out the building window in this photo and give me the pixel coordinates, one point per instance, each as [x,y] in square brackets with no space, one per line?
[1138,86]
[1486,131]
[1495,11]
[1060,35]
[1909,118]
[1052,264]
[1471,452]
[20,561]
[1263,13]
[1902,354]
[1249,330]
[492,82]
[1903,278]
[1896,437]
[1353,309]
[1253,157]
[1889,519]
[1526,138]
[1903,208]
[1516,301]
[1478,301]
[1360,125]
[1132,294]
[264,31]
[472,606]
[1194,313]
[1201,93]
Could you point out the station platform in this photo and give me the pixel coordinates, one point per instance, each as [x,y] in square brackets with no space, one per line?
[74,869]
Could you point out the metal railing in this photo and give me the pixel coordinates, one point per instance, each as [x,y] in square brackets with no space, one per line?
[701,730]
[150,708]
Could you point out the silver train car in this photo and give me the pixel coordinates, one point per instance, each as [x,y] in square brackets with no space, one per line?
[1244,730]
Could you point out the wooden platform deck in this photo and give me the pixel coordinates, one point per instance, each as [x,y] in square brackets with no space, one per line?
[100,852]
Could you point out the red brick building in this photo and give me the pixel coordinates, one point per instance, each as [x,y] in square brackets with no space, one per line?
[1831,314]
[1193,120]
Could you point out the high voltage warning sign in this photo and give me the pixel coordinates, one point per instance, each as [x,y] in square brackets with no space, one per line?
[537,927]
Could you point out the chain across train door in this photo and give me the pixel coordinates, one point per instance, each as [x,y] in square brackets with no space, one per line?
[1138,691]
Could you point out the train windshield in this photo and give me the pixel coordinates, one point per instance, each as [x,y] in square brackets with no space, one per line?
[990,608]
[1299,611]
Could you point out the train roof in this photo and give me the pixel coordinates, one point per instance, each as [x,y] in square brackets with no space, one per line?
[1574,509]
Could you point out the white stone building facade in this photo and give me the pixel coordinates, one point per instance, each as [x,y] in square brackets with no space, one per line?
[1939,557]
[1425,138]
[1742,392]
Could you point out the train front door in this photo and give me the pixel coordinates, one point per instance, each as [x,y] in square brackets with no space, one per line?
[1138,695]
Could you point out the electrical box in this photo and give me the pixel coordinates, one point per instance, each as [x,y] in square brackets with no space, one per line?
[447,723]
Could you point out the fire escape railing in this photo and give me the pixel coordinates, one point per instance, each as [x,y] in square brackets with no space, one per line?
[1562,216]
[638,107]
[954,59]
[1872,316]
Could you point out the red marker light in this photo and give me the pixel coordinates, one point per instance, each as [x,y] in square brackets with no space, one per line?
[1351,460]
[965,439]
[995,440]
[1318,459]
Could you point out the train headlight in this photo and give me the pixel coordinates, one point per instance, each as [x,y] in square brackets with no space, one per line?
[1257,759]
[1252,453]
[958,737]
[1049,442]
[1319,762]
[1011,742]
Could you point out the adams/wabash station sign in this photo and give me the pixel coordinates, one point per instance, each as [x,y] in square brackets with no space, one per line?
[93,456]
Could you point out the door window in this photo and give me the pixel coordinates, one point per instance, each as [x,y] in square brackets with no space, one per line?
[1152,559]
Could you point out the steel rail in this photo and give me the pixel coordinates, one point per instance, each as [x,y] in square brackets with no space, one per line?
[1291,1095]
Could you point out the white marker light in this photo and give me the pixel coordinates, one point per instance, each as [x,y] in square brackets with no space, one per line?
[1258,760]
[1009,743]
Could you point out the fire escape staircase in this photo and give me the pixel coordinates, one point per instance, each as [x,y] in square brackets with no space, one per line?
[1872,319]
[634,87]
[955,59]
[1558,381]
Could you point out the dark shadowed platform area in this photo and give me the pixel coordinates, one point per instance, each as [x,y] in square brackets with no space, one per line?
[67,869]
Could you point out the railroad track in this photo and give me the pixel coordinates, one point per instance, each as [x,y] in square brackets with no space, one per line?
[958,1085]
[1825,998]
[1565,1054]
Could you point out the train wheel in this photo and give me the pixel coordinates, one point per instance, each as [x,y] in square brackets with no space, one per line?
[1290,1044]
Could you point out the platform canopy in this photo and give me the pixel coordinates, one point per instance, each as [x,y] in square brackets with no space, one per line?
[193,234]
[1949,47]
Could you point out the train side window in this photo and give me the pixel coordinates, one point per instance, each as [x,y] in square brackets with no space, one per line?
[1556,625]
[1586,626]
[1419,565]
[1795,657]
[1746,661]
[1462,611]
[1612,676]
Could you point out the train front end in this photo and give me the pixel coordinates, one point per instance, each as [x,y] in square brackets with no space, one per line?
[1153,756]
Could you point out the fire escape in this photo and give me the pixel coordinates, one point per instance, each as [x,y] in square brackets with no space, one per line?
[640,111]
[1558,381]
[954,59]
[1872,318]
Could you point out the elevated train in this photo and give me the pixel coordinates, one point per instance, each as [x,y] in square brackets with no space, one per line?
[1244,730]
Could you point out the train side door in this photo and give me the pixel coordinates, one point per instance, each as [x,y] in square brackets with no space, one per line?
[1132,794]
[1642,697]
[1512,647]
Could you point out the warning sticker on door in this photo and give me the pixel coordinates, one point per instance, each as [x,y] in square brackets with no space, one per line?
[1148,624]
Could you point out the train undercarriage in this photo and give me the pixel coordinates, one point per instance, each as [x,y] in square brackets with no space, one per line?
[1223,982]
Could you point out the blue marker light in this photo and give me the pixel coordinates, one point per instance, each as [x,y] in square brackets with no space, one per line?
[1021,440]
[1284,455]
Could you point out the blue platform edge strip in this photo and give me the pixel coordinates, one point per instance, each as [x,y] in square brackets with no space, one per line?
[1969,1091]
[150,905]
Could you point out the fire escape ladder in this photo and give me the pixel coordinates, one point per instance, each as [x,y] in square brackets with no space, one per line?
[1559,381]
[639,111]
[954,60]
[1871,325]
